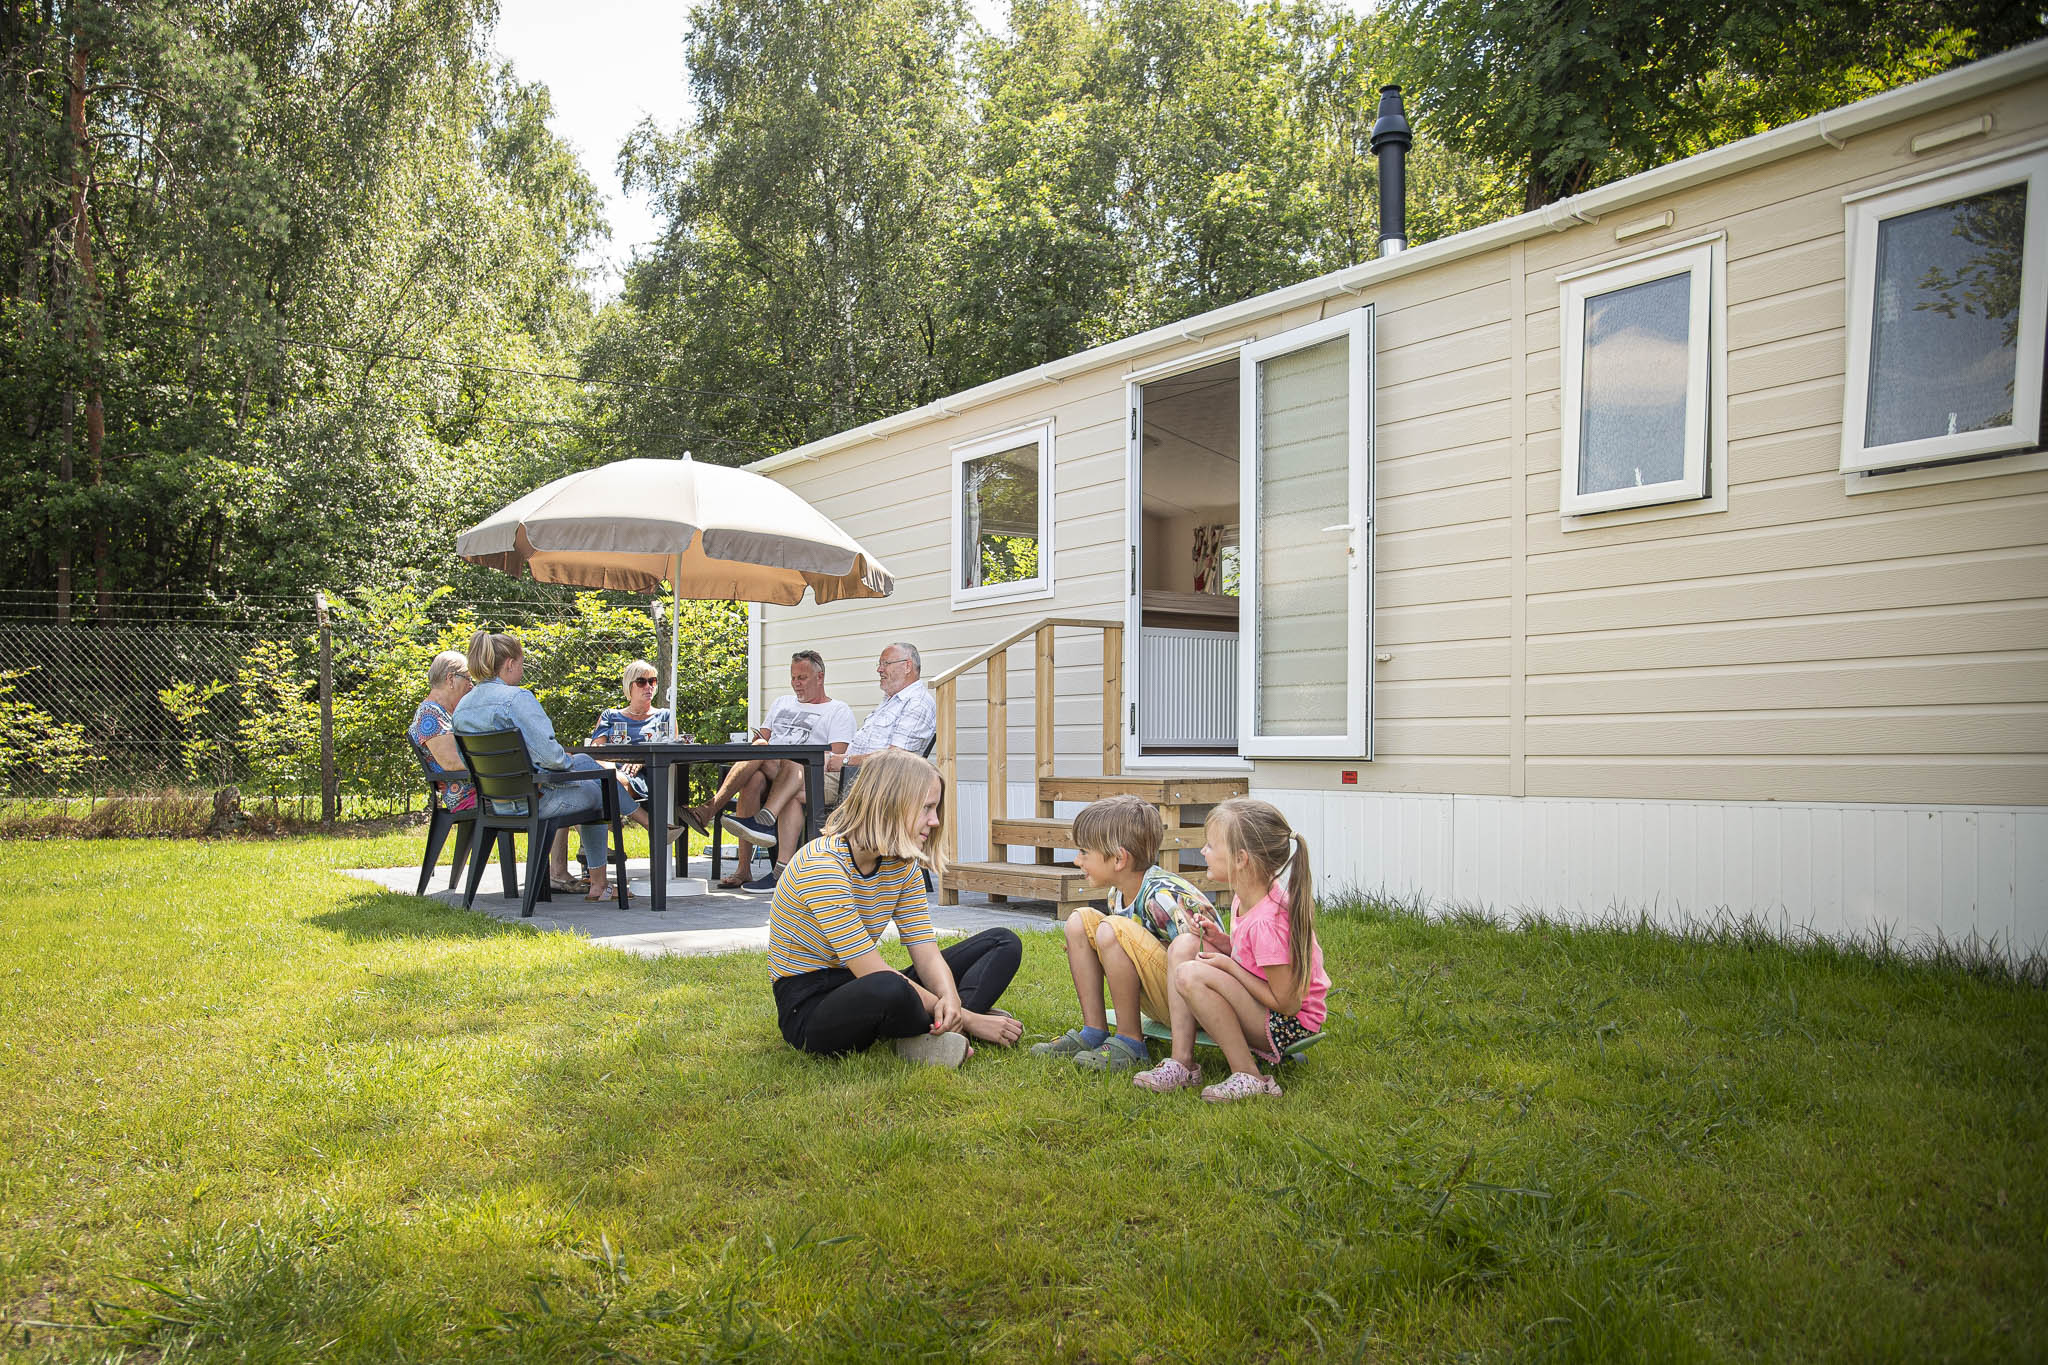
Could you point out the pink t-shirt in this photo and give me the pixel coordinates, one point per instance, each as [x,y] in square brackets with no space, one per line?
[1259,940]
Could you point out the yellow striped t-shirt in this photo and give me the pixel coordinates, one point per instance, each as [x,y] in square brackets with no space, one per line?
[826,913]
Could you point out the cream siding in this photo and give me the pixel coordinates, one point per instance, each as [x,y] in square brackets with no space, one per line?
[1803,645]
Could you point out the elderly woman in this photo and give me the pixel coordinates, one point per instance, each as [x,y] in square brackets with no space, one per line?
[639,721]
[834,993]
[497,664]
[433,725]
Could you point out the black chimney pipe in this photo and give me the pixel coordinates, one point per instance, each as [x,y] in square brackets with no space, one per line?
[1390,143]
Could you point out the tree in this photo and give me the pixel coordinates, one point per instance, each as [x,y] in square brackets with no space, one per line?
[284,288]
[1564,95]
[799,287]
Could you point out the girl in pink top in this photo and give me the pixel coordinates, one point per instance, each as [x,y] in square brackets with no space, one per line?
[1268,989]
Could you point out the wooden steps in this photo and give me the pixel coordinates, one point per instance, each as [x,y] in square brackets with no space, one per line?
[1062,883]
[1049,832]
[1043,879]
[1160,791]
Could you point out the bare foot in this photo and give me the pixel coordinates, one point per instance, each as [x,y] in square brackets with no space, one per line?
[999,1029]
[600,889]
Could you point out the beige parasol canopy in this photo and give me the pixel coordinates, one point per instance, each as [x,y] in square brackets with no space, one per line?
[702,530]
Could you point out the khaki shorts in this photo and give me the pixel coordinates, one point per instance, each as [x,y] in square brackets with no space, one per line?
[832,785]
[1146,953]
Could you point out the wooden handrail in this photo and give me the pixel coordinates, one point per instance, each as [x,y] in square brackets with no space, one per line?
[1076,622]
[946,693]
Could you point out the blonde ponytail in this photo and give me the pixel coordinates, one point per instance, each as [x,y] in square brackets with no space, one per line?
[488,653]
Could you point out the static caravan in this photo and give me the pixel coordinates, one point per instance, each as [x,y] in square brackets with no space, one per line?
[1680,548]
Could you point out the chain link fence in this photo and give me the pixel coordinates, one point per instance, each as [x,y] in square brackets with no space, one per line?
[163,694]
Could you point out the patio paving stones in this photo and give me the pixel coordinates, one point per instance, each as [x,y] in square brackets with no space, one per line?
[718,922]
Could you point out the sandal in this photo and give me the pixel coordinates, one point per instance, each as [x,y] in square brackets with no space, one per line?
[1168,1075]
[1241,1085]
[566,884]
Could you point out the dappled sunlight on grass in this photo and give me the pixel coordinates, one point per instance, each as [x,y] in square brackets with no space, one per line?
[257,1109]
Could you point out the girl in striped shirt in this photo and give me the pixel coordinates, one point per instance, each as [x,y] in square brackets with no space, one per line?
[834,993]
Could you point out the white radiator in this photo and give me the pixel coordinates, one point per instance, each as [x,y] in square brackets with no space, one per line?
[1187,687]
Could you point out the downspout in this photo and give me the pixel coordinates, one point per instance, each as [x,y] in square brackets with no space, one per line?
[1390,143]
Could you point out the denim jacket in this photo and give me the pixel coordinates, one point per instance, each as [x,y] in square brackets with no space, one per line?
[493,705]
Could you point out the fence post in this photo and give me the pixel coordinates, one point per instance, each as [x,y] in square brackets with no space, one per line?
[330,797]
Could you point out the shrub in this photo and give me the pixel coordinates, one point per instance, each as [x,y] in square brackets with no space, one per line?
[31,740]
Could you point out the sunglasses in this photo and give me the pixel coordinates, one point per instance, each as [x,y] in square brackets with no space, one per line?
[643,682]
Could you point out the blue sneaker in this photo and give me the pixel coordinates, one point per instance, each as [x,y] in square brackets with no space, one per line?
[755,829]
[766,883]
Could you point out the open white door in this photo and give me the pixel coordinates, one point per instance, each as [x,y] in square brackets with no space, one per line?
[1305,653]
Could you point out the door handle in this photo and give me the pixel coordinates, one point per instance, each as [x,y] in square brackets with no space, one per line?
[1347,526]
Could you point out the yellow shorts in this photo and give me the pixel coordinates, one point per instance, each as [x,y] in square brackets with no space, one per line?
[1147,953]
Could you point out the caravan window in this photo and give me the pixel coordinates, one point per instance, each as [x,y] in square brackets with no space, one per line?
[1640,401]
[1002,517]
[1947,291]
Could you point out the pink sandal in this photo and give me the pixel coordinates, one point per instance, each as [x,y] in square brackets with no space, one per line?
[1168,1075]
[1241,1085]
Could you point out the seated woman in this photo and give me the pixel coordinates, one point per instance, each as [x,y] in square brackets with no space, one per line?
[833,992]
[639,721]
[433,725]
[497,664]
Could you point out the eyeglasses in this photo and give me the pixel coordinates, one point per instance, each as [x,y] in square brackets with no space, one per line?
[887,664]
[644,682]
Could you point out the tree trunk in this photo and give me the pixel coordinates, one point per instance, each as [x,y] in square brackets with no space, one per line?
[81,250]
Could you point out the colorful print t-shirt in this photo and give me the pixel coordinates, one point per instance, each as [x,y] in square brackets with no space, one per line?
[433,719]
[1166,905]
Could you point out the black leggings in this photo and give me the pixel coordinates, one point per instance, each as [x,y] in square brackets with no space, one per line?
[833,1011]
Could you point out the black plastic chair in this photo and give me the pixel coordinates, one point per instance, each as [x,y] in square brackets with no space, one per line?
[502,771]
[463,822]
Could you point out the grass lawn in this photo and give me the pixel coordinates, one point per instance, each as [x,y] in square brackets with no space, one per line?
[255,1110]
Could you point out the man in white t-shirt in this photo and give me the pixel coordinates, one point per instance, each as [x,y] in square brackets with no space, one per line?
[776,786]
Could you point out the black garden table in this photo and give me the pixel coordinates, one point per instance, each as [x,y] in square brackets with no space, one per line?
[658,762]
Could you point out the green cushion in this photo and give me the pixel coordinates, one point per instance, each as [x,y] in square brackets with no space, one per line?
[1155,1029]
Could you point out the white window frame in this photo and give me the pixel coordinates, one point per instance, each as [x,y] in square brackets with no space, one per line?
[1864,212]
[1038,433]
[1703,262]
[1357,740]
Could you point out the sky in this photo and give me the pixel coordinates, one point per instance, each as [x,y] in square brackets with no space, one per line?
[603,87]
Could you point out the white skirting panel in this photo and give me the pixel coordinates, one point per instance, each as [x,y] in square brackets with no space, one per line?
[1914,873]
[970,815]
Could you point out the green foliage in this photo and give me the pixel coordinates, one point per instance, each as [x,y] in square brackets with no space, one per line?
[32,741]
[1571,94]
[280,730]
[1008,559]
[190,706]
[327,266]
[866,213]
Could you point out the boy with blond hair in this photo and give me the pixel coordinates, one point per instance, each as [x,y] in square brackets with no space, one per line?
[1117,846]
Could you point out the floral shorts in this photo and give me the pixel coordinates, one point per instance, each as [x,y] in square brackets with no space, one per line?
[1282,1032]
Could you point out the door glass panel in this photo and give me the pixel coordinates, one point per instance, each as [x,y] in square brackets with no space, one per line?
[1303,484]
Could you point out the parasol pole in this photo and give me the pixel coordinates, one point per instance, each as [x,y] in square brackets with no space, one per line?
[675,635]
